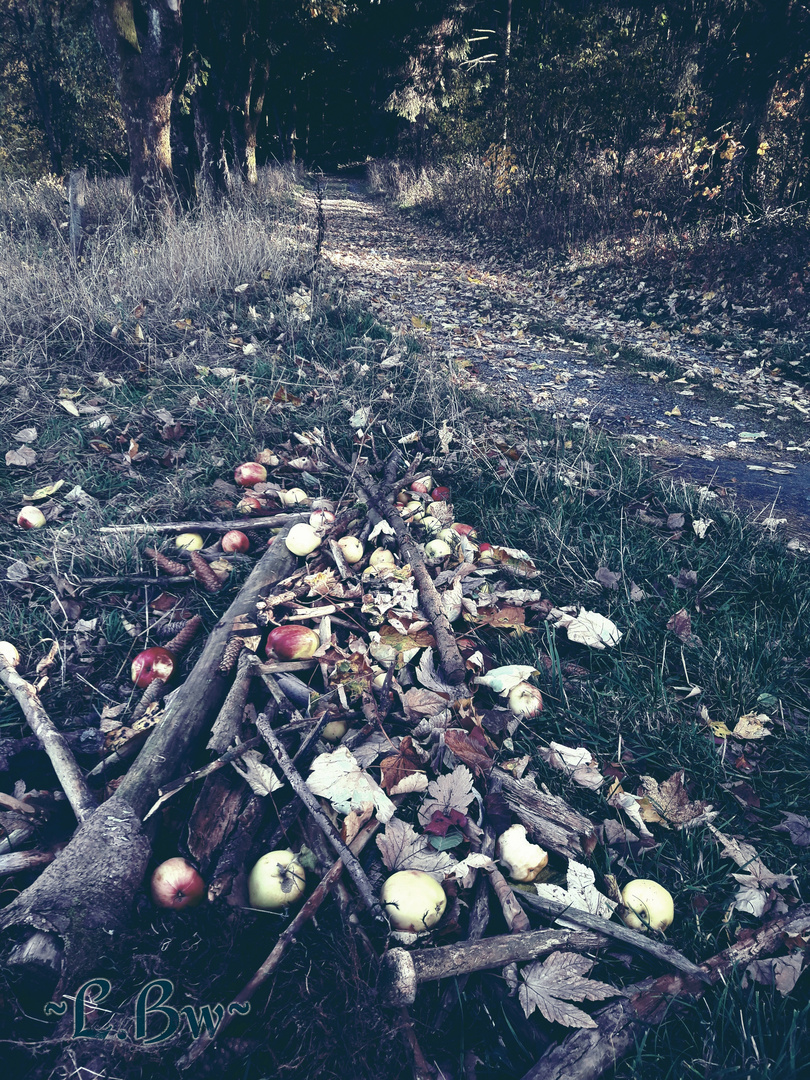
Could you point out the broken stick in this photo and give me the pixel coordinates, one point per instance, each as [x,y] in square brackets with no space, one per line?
[356,871]
[401,971]
[52,741]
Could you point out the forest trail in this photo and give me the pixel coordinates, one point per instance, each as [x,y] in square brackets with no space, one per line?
[716,420]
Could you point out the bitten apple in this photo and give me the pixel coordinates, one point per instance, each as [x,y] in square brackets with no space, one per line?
[153,663]
[177,885]
[249,473]
[291,641]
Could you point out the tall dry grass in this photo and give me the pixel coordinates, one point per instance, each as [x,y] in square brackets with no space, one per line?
[57,310]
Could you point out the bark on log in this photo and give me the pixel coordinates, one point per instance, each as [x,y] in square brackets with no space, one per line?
[85,895]
[589,1053]
[549,820]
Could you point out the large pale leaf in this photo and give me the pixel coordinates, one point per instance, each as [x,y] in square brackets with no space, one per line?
[581,892]
[450,791]
[551,985]
[338,777]
[402,848]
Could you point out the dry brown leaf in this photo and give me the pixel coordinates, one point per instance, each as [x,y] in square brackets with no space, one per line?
[672,802]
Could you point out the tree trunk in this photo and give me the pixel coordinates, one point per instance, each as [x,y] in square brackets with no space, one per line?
[143,45]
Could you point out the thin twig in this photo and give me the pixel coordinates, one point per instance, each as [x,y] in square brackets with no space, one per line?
[356,871]
[144,528]
[285,940]
[164,794]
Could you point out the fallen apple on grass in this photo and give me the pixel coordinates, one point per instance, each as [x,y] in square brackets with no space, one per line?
[235,540]
[249,473]
[525,700]
[381,557]
[413,900]
[189,541]
[276,881]
[291,641]
[649,905]
[436,550]
[153,663]
[31,517]
[176,884]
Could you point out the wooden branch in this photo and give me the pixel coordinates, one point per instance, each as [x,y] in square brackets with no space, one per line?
[52,741]
[17,861]
[589,1053]
[356,871]
[230,755]
[228,724]
[199,698]
[285,940]
[451,659]
[401,971]
[274,521]
[640,942]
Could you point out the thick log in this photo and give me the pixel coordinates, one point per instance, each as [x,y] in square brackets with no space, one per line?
[85,896]
[195,704]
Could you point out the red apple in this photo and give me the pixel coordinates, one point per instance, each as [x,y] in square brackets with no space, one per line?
[250,473]
[422,484]
[30,517]
[464,530]
[440,494]
[177,885]
[153,663]
[234,540]
[249,504]
[291,641]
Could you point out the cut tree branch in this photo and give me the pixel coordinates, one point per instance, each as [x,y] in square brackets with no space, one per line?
[52,740]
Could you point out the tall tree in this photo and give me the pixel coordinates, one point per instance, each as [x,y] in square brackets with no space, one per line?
[143,43]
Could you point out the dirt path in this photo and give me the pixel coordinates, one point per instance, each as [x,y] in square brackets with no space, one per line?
[715,419]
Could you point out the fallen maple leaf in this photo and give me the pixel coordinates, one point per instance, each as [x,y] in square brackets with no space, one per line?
[402,848]
[581,892]
[398,767]
[449,792]
[798,827]
[671,801]
[551,984]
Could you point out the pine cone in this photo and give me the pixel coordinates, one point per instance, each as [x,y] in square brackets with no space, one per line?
[204,574]
[231,654]
[165,563]
[181,641]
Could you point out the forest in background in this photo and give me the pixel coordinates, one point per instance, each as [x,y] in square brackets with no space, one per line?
[668,110]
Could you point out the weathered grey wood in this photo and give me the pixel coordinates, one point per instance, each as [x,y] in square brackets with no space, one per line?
[549,820]
[401,971]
